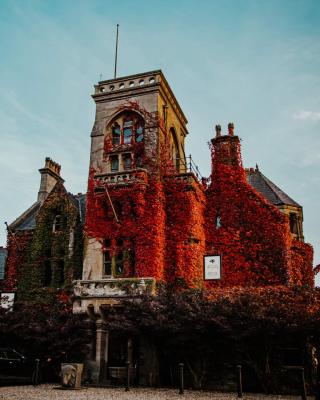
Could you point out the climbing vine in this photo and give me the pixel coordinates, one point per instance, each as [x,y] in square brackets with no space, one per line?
[54,258]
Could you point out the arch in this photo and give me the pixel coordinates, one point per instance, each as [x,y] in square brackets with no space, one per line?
[125,127]
[175,152]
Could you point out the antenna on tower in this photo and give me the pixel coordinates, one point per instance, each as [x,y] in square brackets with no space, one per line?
[116,55]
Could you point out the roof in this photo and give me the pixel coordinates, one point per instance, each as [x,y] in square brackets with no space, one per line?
[27,220]
[80,202]
[268,189]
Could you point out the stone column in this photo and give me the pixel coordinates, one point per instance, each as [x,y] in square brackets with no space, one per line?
[102,340]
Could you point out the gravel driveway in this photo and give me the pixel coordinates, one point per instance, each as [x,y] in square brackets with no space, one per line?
[50,392]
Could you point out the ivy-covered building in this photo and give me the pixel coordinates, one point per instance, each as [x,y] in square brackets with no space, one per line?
[152,219]
[45,243]
[149,218]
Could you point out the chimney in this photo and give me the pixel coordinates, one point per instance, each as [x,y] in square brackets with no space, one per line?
[50,175]
[226,151]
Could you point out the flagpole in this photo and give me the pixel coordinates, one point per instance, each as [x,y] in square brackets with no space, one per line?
[116,55]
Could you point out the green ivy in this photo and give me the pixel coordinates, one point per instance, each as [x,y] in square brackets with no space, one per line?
[49,262]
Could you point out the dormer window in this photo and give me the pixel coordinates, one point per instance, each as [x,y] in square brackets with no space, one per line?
[57,224]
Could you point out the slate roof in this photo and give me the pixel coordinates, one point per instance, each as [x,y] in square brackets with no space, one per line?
[80,202]
[268,189]
[27,220]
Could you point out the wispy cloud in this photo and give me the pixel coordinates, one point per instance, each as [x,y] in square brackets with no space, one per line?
[307,115]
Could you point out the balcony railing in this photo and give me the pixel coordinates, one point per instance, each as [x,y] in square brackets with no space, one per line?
[123,177]
[114,287]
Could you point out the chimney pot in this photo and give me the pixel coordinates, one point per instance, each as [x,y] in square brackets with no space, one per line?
[231,129]
[218,130]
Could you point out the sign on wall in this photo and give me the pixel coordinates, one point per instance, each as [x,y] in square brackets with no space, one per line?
[7,300]
[212,267]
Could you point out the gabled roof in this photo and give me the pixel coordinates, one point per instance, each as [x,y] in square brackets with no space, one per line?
[268,189]
[27,220]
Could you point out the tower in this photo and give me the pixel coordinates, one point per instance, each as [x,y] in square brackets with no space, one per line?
[138,136]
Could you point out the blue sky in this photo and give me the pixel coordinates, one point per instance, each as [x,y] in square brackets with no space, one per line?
[255,63]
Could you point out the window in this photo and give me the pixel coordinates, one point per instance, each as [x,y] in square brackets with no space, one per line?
[139,133]
[127,163]
[175,150]
[107,260]
[293,223]
[116,133]
[114,161]
[119,263]
[57,224]
[127,129]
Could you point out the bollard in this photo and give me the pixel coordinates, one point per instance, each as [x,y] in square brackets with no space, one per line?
[303,385]
[128,376]
[35,377]
[181,388]
[239,381]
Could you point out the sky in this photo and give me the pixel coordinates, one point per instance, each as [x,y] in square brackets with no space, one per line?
[255,63]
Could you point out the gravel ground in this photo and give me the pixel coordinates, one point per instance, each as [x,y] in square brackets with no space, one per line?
[50,392]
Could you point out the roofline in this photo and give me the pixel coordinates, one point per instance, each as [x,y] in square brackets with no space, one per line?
[154,72]
[119,78]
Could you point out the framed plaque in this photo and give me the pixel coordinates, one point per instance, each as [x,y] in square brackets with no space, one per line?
[7,300]
[212,267]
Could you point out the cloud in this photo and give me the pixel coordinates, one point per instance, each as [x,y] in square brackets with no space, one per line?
[307,115]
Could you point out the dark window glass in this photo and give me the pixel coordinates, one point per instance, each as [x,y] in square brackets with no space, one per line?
[116,135]
[293,223]
[57,223]
[119,263]
[127,161]
[107,263]
[114,163]
[139,133]
[47,273]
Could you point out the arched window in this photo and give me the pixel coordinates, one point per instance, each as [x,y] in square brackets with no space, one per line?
[116,134]
[127,128]
[57,224]
[175,150]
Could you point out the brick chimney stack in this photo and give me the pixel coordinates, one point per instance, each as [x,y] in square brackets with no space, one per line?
[50,175]
[226,148]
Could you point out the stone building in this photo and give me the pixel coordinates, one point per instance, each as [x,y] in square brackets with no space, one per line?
[150,218]
[45,242]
